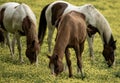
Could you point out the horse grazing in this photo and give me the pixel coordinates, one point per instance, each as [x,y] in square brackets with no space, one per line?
[19,20]
[96,22]
[71,34]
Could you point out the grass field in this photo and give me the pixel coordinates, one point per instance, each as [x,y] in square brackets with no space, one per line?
[11,71]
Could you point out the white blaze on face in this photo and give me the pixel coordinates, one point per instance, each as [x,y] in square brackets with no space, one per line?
[36,63]
[52,69]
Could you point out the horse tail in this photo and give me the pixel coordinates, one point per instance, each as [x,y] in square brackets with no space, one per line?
[42,25]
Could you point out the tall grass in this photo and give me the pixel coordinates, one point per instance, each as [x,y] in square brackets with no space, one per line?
[11,71]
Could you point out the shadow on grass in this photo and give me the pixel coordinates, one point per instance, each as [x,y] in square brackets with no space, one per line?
[22,75]
[117,74]
[8,59]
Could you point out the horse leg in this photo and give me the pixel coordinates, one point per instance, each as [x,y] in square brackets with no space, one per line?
[9,44]
[90,44]
[78,51]
[3,43]
[13,44]
[2,40]
[19,49]
[36,63]
[67,56]
[50,35]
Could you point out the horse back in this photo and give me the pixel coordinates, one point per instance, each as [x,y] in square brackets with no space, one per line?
[8,14]
[25,18]
[74,25]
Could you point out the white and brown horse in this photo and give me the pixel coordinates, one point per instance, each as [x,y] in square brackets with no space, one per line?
[19,20]
[71,34]
[96,22]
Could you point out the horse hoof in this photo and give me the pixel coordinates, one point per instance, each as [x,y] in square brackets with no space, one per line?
[12,57]
[21,61]
[92,60]
[83,76]
[35,64]
[70,76]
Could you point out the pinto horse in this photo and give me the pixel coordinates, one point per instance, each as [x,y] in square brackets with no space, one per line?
[71,34]
[96,22]
[19,20]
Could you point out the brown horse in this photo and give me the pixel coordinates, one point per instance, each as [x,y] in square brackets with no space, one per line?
[71,34]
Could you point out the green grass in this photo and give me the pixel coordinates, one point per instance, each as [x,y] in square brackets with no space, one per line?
[11,71]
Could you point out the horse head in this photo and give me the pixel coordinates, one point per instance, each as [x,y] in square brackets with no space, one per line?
[32,51]
[55,65]
[108,53]
[29,27]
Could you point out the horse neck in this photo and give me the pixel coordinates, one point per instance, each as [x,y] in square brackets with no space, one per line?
[107,37]
[99,21]
[61,42]
[96,19]
[104,29]
[31,34]
[59,48]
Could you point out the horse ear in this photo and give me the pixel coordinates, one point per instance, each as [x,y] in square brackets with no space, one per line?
[113,44]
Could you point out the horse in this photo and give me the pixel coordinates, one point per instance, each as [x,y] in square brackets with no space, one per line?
[20,20]
[96,22]
[71,34]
